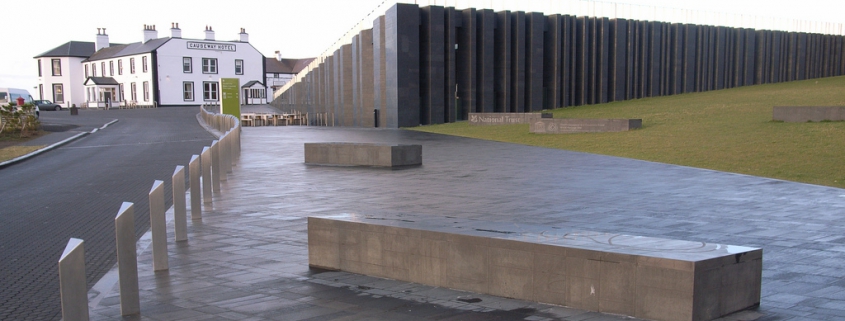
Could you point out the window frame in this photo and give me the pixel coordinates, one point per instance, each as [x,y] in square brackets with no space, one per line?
[133,90]
[111,67]
[187,95]
[93,69]
[120,89]
[187,65]
[56,65]
[103,68]
[87,72]
[207,67]
[120,67]
[132,65]
[146,86]
[39,67]
[207,93]
[239,64]
[60,93]
[144,66]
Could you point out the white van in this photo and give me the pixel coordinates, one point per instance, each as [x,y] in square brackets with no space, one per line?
[10,95]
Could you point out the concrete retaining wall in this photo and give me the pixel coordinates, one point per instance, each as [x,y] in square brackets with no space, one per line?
[505,118]
[354,154]
[643,277]
[573,125]
[807,113]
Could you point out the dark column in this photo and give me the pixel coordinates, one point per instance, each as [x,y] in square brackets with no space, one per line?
[552,61]
[518,34]
[536,24]
[761,57]
[603,59]
[449,89]
[485,39]
[402,51]
[749,62]
[568,57]
[503,61]
[677,59]
[655,66]
[776,48]
[466,64]
[721,53]
[690,40]
[379,70]
[432,73]
[618,66]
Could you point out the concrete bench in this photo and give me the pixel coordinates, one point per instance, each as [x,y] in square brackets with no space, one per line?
[795,114]
[356,154]
[642,277]
[576,125]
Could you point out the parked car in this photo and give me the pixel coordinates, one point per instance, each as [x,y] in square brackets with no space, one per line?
[47,105]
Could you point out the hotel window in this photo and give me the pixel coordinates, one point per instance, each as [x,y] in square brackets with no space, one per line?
[209,90]
[103,68]
[120,66]
[209,65]
[144,64]
[256,93]
[146,91]
[39,67]
[40,91]
[111,68]
[188,91]
[86,71]
[120,87]
[134,92]
[131,65]
[239,67]
[57,67]
[187,66]
[58,94]
[93,70]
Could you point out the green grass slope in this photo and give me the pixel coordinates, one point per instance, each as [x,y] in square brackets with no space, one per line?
[727,130]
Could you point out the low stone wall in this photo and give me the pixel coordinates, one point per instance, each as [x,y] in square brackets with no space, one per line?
[505,118]
[643,277]
[574,125]
[355,154]
[800,114]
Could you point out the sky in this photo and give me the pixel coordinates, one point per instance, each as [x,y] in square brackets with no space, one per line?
[307,28]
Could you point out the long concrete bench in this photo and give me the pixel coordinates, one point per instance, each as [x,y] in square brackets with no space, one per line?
[643,277]
[794,114]
[357,154]
[578,125]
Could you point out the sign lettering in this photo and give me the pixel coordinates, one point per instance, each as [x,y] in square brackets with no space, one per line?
[211,46]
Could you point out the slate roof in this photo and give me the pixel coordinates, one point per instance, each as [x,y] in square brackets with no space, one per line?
[83,49]
[286,66]
[128,49]
[101,81]
[251,83]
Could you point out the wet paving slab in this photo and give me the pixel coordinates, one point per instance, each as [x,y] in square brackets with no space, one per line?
[247,259]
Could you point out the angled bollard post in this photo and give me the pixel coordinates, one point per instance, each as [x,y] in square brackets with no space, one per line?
[196,195]
[228,165]
[127,261]
[205,162]
[72,286]
[223,157]
[215,166]
[158,225]
[180,215]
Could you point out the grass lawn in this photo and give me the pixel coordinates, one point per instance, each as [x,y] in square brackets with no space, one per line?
[10,149]
[727,130]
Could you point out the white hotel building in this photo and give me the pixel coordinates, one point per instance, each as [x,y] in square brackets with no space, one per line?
[170,71]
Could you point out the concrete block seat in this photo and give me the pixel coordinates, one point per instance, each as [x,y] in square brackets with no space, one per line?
[580,125]
[643,277]
[792,114]
[360,154]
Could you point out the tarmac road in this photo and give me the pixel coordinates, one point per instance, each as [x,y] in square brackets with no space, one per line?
[76,191]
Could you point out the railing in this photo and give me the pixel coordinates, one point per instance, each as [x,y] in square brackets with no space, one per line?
[216,162]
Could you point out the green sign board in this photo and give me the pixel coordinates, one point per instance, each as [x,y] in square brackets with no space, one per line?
[230,102]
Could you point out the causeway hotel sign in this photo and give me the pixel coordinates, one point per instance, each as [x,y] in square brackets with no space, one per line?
[210,46]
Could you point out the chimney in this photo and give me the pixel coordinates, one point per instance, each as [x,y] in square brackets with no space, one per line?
[209,33]
[278,55]
[244,35]
[175,32]
[150,32]
[102,39]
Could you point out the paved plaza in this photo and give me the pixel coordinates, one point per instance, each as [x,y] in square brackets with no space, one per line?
[247,258]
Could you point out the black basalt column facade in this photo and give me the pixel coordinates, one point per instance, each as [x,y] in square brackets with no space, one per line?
[436,64]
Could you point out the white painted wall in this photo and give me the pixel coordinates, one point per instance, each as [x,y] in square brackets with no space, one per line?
[71,80]
[171,77]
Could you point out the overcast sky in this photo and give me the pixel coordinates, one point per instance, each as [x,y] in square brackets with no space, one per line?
[296,28]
